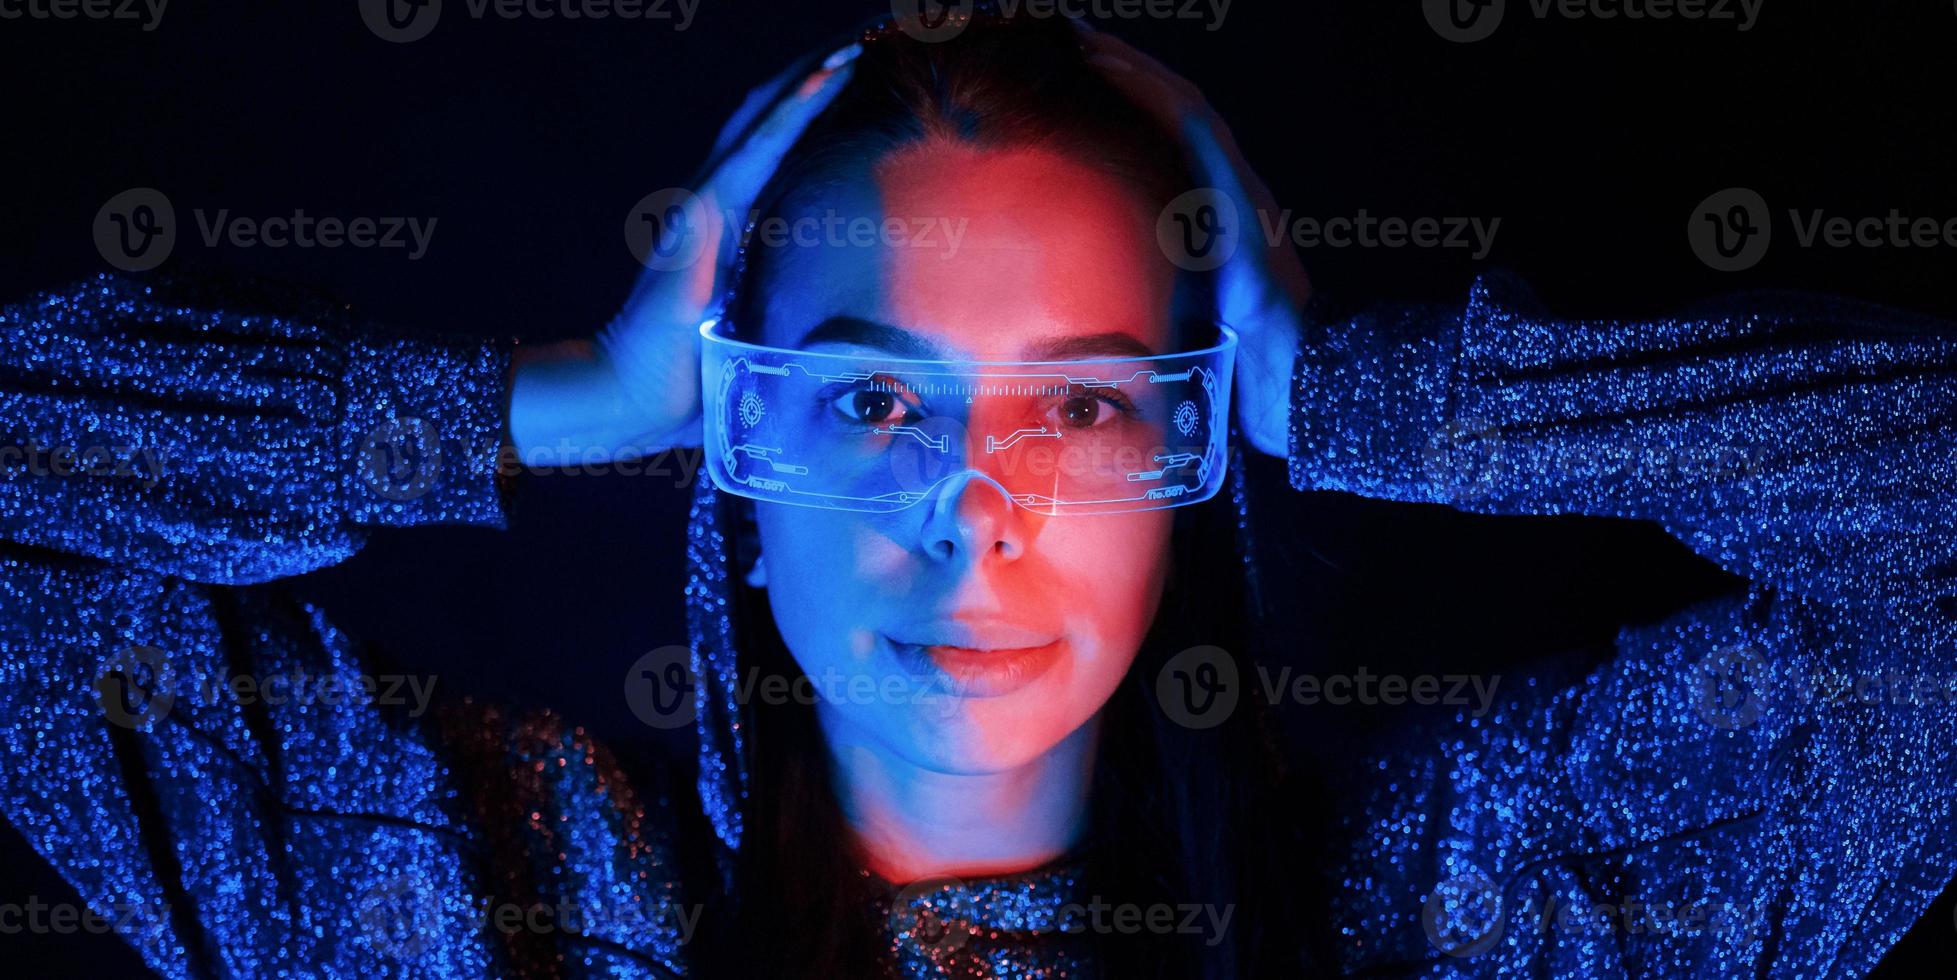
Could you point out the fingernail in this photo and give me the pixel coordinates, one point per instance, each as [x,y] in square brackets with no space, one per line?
[843,57]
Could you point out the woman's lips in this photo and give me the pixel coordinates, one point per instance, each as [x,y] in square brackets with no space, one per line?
[976,662]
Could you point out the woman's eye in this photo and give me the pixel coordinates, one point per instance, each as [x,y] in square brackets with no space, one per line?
[1084,411]
[869,406]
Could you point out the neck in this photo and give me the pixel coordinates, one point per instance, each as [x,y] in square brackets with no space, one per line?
[912,823]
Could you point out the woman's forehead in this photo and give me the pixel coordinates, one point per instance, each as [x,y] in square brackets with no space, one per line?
[989,253]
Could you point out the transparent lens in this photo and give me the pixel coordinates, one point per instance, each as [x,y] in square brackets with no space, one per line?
[871,433]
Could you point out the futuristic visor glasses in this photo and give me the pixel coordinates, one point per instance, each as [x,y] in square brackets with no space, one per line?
[872,432]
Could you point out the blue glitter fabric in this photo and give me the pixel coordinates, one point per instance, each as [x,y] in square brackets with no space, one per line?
[1759,786]
[1723,796]
[312,836]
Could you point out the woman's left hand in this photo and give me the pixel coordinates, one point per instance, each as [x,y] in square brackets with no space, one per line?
[1261,286]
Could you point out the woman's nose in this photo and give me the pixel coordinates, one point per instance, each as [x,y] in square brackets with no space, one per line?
[972,518]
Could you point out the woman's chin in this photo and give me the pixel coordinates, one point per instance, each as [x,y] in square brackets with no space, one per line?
[989,735]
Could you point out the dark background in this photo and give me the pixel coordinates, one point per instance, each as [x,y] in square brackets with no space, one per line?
[528,140]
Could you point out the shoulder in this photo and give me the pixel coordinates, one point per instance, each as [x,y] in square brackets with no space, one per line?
[221,761]
[1704,798]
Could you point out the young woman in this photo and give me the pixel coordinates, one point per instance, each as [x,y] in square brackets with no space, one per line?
[1025,773]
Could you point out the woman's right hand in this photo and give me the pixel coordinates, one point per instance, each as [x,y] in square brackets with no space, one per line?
[635,388]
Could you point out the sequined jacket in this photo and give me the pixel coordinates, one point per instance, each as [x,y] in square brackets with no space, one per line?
[1722,797]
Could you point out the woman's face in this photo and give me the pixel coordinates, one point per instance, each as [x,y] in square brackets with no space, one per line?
[966,634]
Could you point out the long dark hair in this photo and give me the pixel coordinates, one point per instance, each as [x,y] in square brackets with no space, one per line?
[1179,816]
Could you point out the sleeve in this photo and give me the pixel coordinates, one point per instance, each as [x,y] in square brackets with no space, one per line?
[1771,759]
[1804,443]
[159,425]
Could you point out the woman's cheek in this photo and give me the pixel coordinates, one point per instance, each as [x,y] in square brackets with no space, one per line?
[822,601]
[1114,567]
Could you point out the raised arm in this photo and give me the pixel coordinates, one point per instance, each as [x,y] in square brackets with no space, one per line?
[169,427]
[1803,442]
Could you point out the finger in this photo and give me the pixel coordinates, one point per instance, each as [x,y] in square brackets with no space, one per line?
[1263,274]
[764,96]
[757,101]
[741,174]
[728,191]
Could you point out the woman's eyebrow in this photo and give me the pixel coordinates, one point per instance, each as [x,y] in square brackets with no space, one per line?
[1085,346]
[865,333]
